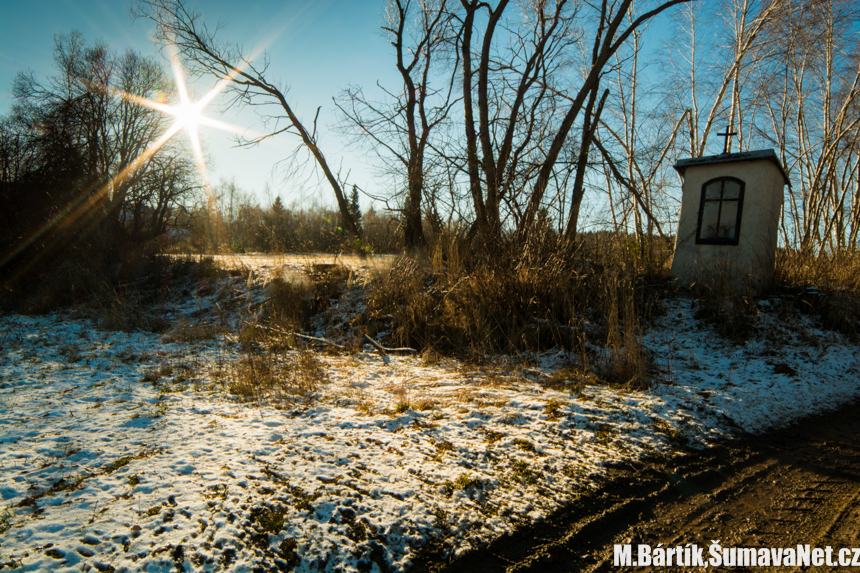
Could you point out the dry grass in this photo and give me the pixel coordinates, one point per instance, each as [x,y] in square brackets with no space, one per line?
[828,273]
[131,298]
[626,361]
[570,379]
[424,404]
[598,294]
[277,368]
[552,409]
[184,331]
[292,299]
[329,280]
[732,314]
[289,302]
[826,286]
[272,377]
[401,398]
[492,309]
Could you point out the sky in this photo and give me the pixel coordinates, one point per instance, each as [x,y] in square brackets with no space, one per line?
[319,48]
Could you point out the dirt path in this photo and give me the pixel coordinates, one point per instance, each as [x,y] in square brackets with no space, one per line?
[799,485]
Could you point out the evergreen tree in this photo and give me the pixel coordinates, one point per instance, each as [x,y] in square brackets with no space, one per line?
[278,227]
[354,207]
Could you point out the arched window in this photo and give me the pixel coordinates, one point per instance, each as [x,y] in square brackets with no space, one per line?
[720,212]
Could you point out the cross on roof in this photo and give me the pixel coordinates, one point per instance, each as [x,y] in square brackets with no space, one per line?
[727,135]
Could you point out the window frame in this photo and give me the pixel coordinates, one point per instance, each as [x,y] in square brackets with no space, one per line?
[740,200]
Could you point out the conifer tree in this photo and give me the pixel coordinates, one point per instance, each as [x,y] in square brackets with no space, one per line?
[354,207]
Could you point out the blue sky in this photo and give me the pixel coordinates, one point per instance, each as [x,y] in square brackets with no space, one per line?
[320,48]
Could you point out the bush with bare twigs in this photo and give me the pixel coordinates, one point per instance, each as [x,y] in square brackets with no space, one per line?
[824,285]
[276,377]
[596,294]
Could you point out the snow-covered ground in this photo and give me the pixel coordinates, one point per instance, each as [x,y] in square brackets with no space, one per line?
[126,452]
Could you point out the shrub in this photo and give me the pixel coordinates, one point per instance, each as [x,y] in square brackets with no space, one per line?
[269,376]
[827,286]
[548,294]
[494,308]
[289,302]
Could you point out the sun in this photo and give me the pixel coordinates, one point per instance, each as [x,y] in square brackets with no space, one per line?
[188,115]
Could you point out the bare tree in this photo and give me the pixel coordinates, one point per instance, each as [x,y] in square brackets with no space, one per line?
[787,76]
[611,33]
[634,139]
[812,81]
[400,127]
[716,87]
[158,200]
[245,77]
[510,101]
[527,103]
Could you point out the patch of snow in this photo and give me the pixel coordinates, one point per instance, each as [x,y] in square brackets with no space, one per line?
[102,467]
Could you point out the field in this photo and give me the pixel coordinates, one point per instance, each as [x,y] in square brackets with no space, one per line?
[141,451]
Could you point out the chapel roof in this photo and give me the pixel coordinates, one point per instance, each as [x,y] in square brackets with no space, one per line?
[762,154]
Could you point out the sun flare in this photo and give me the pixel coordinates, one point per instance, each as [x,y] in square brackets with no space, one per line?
[188,115]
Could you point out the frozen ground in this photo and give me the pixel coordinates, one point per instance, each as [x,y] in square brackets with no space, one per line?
[125,452]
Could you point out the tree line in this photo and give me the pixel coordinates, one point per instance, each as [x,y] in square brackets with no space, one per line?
[234,221]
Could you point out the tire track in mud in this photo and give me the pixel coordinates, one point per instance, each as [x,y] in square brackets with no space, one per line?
[798,485]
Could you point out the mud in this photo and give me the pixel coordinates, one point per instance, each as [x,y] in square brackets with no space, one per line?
[798,485]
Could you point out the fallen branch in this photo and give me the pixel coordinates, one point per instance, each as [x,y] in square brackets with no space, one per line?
[329,342]
[380,348]
[296,334]
[384,350]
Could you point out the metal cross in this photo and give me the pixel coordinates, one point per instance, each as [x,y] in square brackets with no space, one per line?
[727,135]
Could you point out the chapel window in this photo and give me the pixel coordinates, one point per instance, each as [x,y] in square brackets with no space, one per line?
[720,212]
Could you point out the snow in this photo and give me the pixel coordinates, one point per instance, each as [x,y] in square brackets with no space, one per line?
[126,452]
